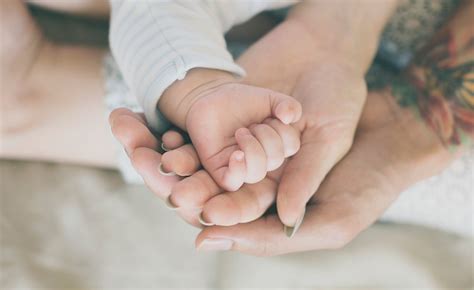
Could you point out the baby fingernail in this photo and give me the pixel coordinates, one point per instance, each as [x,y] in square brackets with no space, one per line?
[239,156]
[291,231]
[163,172]
[204,222]
[287,119]
[215,245]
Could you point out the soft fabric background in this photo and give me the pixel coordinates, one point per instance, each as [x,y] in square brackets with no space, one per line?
[71,227]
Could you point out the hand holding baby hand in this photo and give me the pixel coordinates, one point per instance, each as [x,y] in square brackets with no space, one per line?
[240,132]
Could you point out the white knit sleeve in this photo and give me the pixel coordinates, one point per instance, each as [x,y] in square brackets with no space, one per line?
[156,42]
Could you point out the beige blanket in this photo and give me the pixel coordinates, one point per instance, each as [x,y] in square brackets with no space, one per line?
[68,227]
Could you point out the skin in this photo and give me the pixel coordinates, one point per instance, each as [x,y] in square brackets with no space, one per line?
[143,151]
[227,149]
[393,149]
[305,55]
[45,88]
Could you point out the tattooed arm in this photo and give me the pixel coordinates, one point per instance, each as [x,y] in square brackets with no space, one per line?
[440,82]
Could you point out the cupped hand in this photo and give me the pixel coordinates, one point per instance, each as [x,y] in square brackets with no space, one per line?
[392,150]
[188,195]
[219,116]
[332,95]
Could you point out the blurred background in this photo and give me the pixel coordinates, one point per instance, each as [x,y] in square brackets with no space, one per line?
[76,227]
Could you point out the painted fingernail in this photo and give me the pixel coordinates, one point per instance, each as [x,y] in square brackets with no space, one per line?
[203,222]
[291,231]
[215,245]
[169,204]
[163,172]
[163,147]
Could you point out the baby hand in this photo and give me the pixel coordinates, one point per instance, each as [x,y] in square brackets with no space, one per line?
[240,132]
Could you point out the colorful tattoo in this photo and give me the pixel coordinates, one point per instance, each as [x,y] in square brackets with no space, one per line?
[440,85]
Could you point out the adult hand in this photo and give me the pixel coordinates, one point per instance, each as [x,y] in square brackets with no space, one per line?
[332,94]
[393,149]
[132,131]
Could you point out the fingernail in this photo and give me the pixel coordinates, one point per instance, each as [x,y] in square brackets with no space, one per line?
[169,204]
[203,222]
[287,119]
[215,245]
[291,231]
[163,172]
[239,156]
[163,147]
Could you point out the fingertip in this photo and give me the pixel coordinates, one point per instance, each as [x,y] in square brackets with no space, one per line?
[238,155]
[183,160]
[116,113]
[255,157]
[284,116]
[242,132]
[234,174]
[172,140]
[221,210]
[289,208]
[298,111]
[288,111]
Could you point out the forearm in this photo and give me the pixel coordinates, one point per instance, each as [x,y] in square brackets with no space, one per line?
[348,28]
[312,36]
[439,84]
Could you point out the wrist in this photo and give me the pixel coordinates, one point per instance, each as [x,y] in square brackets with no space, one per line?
[178,98]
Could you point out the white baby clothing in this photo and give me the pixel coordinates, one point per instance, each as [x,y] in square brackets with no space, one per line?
[156,42]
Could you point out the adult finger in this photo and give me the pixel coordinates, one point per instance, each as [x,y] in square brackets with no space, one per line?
[146,162]
[244,205]
[131,132]
[327,226]
[171,140]
[126,112]
[320,151]
[183,160]
[194,191]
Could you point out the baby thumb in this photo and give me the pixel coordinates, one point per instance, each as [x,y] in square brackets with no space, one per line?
[285,108]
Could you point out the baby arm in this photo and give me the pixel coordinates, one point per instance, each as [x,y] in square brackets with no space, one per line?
[177,49]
